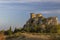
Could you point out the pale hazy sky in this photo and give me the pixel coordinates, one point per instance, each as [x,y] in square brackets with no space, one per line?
[16,12]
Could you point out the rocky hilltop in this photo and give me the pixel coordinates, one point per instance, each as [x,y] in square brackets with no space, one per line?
[39,22]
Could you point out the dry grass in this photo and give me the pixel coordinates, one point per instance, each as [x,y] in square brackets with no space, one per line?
[34,36]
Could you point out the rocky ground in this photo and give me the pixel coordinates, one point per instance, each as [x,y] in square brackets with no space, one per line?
[2,36]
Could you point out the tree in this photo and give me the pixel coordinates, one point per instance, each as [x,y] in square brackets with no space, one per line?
[51,29]
[58,28]
[17,30]
[8,32]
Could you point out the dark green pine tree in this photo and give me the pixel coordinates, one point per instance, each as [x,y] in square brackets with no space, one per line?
[10,31]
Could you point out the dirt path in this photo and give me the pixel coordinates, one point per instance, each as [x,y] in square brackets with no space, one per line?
[29,36]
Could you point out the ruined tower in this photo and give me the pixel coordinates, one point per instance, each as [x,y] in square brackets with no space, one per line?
[32,15]
[39,15]
[55,20]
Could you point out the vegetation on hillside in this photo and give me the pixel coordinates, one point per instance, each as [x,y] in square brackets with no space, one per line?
[35,29]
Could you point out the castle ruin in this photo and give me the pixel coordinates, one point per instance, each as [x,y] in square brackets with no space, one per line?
[39,19]
[32,15]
